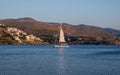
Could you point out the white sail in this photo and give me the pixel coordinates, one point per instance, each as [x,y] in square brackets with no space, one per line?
[61,38]
[62,43]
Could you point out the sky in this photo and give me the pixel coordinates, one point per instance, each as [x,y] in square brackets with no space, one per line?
[102,13]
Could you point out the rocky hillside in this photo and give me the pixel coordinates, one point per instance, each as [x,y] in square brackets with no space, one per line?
[110,30]
[12,35]
[75,34]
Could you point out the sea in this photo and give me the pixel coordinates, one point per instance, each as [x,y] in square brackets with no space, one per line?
[47,60]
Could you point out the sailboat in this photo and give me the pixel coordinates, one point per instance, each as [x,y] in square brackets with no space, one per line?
[62,42]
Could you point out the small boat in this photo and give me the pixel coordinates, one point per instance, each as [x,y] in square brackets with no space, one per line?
[62,42]
[61,45]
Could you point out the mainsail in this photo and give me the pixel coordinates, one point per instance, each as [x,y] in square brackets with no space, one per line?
[61,38]
[62,43]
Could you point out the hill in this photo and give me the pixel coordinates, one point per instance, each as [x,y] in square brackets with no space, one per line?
[12,35]
[113,31]
[75,34]
[110,30]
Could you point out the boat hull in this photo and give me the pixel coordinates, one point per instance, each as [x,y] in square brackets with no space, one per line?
[61,46]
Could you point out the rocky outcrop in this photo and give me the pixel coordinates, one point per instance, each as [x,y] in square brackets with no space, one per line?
[12,35]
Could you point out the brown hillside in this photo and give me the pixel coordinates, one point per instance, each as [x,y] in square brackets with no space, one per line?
[47,30]
[42,28]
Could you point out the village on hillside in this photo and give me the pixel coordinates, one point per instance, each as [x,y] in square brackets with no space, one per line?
[12,35]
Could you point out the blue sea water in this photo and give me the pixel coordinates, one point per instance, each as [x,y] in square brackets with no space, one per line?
[47,60]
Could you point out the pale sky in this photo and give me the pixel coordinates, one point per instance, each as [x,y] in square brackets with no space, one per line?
[102,13]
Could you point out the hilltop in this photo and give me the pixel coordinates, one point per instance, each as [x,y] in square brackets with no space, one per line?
[75,34]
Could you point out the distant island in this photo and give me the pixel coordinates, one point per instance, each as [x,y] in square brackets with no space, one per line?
[30,31]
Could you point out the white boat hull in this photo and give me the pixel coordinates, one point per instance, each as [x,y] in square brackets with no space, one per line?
[61,46]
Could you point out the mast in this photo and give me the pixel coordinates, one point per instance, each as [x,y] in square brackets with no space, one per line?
[61,38]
